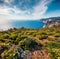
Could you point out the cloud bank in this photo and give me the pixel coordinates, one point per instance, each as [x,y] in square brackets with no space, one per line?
[21,10]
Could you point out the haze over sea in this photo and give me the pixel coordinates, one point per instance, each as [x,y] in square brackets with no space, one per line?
[35,24]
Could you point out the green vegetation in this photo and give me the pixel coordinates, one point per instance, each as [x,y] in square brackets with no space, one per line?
[53,49]
[28,43]
[29,39]
[10,54]
[43,36]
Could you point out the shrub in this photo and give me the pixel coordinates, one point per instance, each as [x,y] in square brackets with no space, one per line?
[6,36]
[13,36]
[10,54]
[43,36]
[28,44]
[50,39]
[57,34]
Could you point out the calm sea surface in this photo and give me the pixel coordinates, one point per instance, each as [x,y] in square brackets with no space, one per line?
[28,24]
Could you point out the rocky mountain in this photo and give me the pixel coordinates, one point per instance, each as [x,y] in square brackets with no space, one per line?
[50,22]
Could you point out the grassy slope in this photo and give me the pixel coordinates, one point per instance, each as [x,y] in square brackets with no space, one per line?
[43,42]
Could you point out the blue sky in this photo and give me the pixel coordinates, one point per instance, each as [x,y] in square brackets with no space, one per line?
[27,10]
[53,9]
[55,5]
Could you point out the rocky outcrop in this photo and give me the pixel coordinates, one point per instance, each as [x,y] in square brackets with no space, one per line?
[51,22]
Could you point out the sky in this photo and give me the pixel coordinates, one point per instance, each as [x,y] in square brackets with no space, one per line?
[27,10]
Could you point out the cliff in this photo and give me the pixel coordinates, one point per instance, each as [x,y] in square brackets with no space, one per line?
[50,22]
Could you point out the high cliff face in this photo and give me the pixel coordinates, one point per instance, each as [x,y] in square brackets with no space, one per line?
[50,22]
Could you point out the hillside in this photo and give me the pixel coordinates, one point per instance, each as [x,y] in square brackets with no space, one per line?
[50,22]
[30,43]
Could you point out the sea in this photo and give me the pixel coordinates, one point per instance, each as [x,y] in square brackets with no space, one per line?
[34,24]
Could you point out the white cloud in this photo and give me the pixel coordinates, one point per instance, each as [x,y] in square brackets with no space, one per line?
[41,8]
[5,24]
[7,13]
[37,13]
[8,1]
